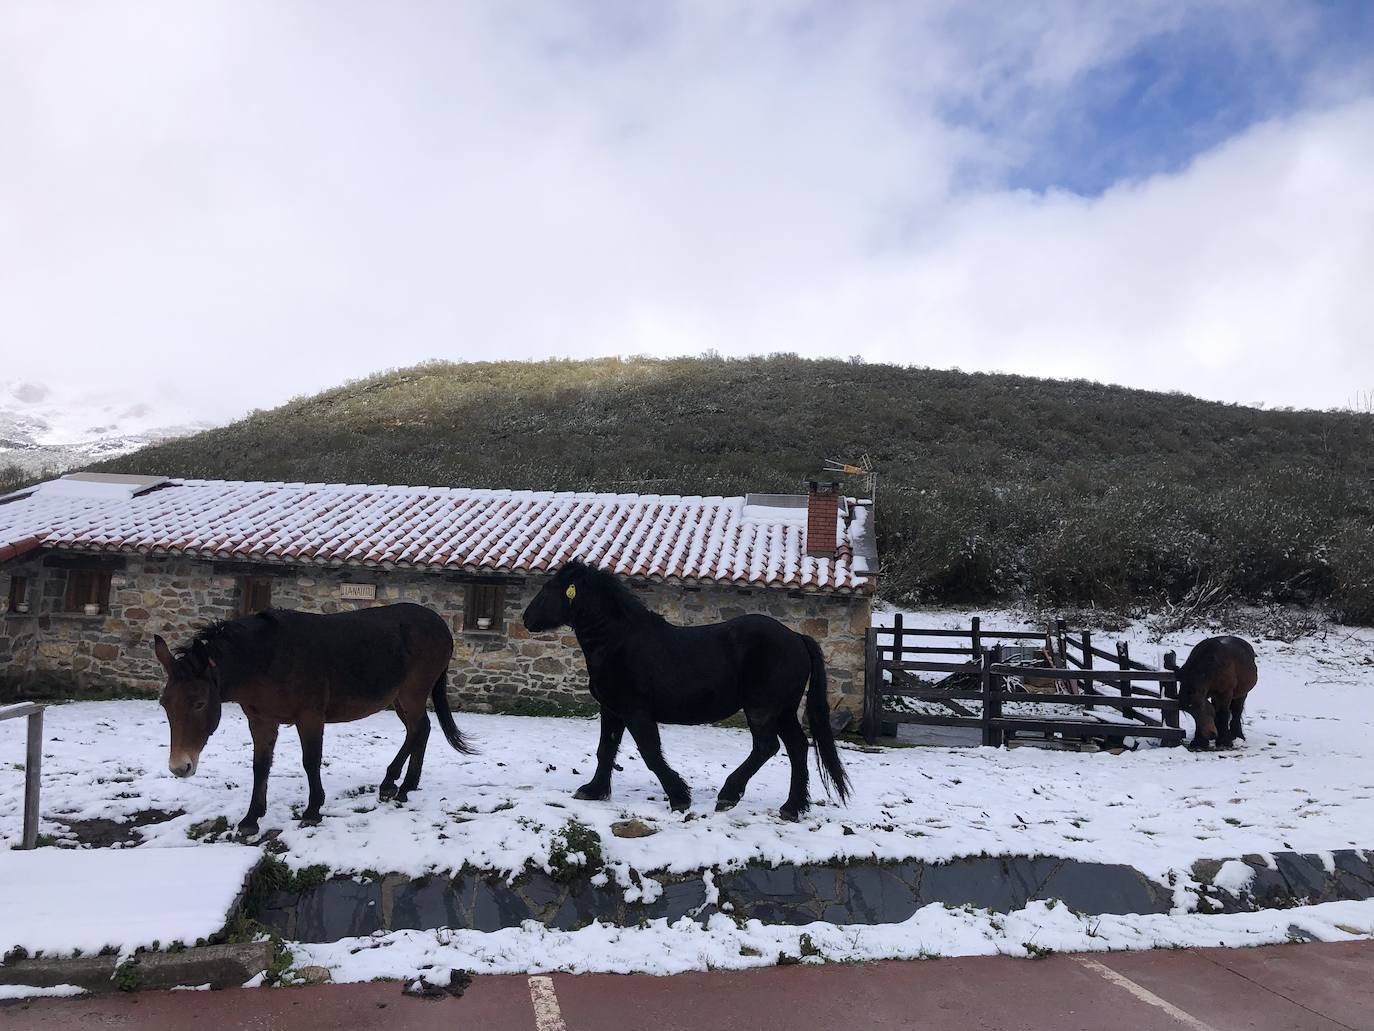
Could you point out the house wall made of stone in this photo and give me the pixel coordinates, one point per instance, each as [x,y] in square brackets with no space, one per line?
[60,651]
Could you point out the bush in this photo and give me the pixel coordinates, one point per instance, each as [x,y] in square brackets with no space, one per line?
[1352,562]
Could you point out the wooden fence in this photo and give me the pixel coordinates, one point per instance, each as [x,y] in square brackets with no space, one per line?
[896,655]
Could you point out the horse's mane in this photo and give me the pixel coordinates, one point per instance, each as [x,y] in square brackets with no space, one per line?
[615,597]
[213,638]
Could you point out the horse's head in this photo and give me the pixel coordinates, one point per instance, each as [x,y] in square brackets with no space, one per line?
[191,700]
[552,607]
[1193,698]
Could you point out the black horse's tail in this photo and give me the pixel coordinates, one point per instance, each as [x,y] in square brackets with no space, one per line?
[441,709]
[818,715]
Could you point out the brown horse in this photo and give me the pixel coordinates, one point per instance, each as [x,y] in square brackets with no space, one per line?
[1213,684]
[284,667]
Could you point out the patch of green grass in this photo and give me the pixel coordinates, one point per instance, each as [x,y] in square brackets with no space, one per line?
[1035,951]
[205,828]
[128,977]
[544,707]
[575,852]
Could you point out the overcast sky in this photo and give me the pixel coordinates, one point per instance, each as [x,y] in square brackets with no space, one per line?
[216,206]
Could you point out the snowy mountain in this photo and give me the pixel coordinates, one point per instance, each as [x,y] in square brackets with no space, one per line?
[47,429]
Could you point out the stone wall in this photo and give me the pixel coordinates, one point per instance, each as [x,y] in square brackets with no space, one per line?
[501,669]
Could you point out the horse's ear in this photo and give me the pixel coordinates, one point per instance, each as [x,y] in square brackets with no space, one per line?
[163,653]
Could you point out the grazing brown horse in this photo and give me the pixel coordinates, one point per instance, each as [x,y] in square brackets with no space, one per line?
[285,667]
[1213,684]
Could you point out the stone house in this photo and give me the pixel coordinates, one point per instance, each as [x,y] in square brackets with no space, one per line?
[93,565]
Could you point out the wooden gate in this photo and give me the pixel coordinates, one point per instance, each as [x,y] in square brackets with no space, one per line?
[974,669]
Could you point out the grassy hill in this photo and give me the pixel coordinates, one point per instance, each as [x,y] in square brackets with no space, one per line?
[990,485]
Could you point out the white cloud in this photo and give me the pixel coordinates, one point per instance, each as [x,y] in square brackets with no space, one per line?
[243,202]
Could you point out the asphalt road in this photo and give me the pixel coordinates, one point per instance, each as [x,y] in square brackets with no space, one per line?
[1312,987]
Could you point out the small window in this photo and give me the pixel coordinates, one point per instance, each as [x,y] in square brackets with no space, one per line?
[484,608]
[87,587]
[256,594]
[19,594]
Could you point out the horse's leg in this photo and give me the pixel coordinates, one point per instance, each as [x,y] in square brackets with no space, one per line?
[794,740]
[311,733]
[765,747]
[645,732]
[417,738]
[1224,738]
[1237,710]
[599,787]
[387,790]
[264,742]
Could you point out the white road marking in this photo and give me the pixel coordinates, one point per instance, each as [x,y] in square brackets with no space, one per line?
[547,1015]
[1145,995]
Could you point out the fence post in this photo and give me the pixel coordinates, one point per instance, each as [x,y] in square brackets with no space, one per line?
[992,705]
[977,639]
[33,774]
[1088,686]
[1123,659]
[1170,688]
[1061,630]
[898,653]
[873,698]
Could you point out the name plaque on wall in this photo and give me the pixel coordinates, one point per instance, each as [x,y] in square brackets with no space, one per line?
[358,592]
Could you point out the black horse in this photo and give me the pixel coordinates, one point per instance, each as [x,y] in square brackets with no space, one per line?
[284,667]
[644,671]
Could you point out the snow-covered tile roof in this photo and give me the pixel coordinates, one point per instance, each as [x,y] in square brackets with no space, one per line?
[643,536]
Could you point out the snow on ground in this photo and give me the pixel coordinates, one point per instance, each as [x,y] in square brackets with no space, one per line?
[663,948]
[1302,781]
[59,900]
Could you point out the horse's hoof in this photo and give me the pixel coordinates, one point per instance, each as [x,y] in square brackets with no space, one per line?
[790,815]
[724,805]
[587,793]
[310,821]
[386,792]
[401,796]
[247,830]
[680,805]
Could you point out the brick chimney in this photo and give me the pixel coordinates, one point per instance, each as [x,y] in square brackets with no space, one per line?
[822,513]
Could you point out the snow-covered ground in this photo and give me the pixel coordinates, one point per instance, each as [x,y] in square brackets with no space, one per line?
[1302,781]
[57,900]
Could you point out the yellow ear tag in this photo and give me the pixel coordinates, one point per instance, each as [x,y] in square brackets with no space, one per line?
[571,592]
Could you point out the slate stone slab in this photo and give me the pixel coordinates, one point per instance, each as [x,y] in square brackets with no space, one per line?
[493,905]
[339,908]
[877,894]
[678,899]
[1354,875]
[584,903]
[1098,888]
[998,883]
[1308,881]
[425,904]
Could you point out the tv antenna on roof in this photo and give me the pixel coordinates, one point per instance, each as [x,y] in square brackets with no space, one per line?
[864,469]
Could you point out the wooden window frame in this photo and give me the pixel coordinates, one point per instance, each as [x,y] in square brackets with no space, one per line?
[19,592]
[484,600]
[86,586]
[250,590]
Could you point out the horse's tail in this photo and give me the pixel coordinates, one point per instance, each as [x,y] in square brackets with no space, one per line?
[818,715]
[441,709]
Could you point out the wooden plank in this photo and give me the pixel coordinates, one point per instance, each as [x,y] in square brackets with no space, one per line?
[1123,660]
[932,721]
[935,694]
[912,649]
[1107,701]
[10,712]
[1086,728]
[1107,675]
[992,707]
[33,773]
[927,667]
[1170,691]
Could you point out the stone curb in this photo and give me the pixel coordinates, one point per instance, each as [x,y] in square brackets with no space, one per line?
[852,893]
[220,966]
